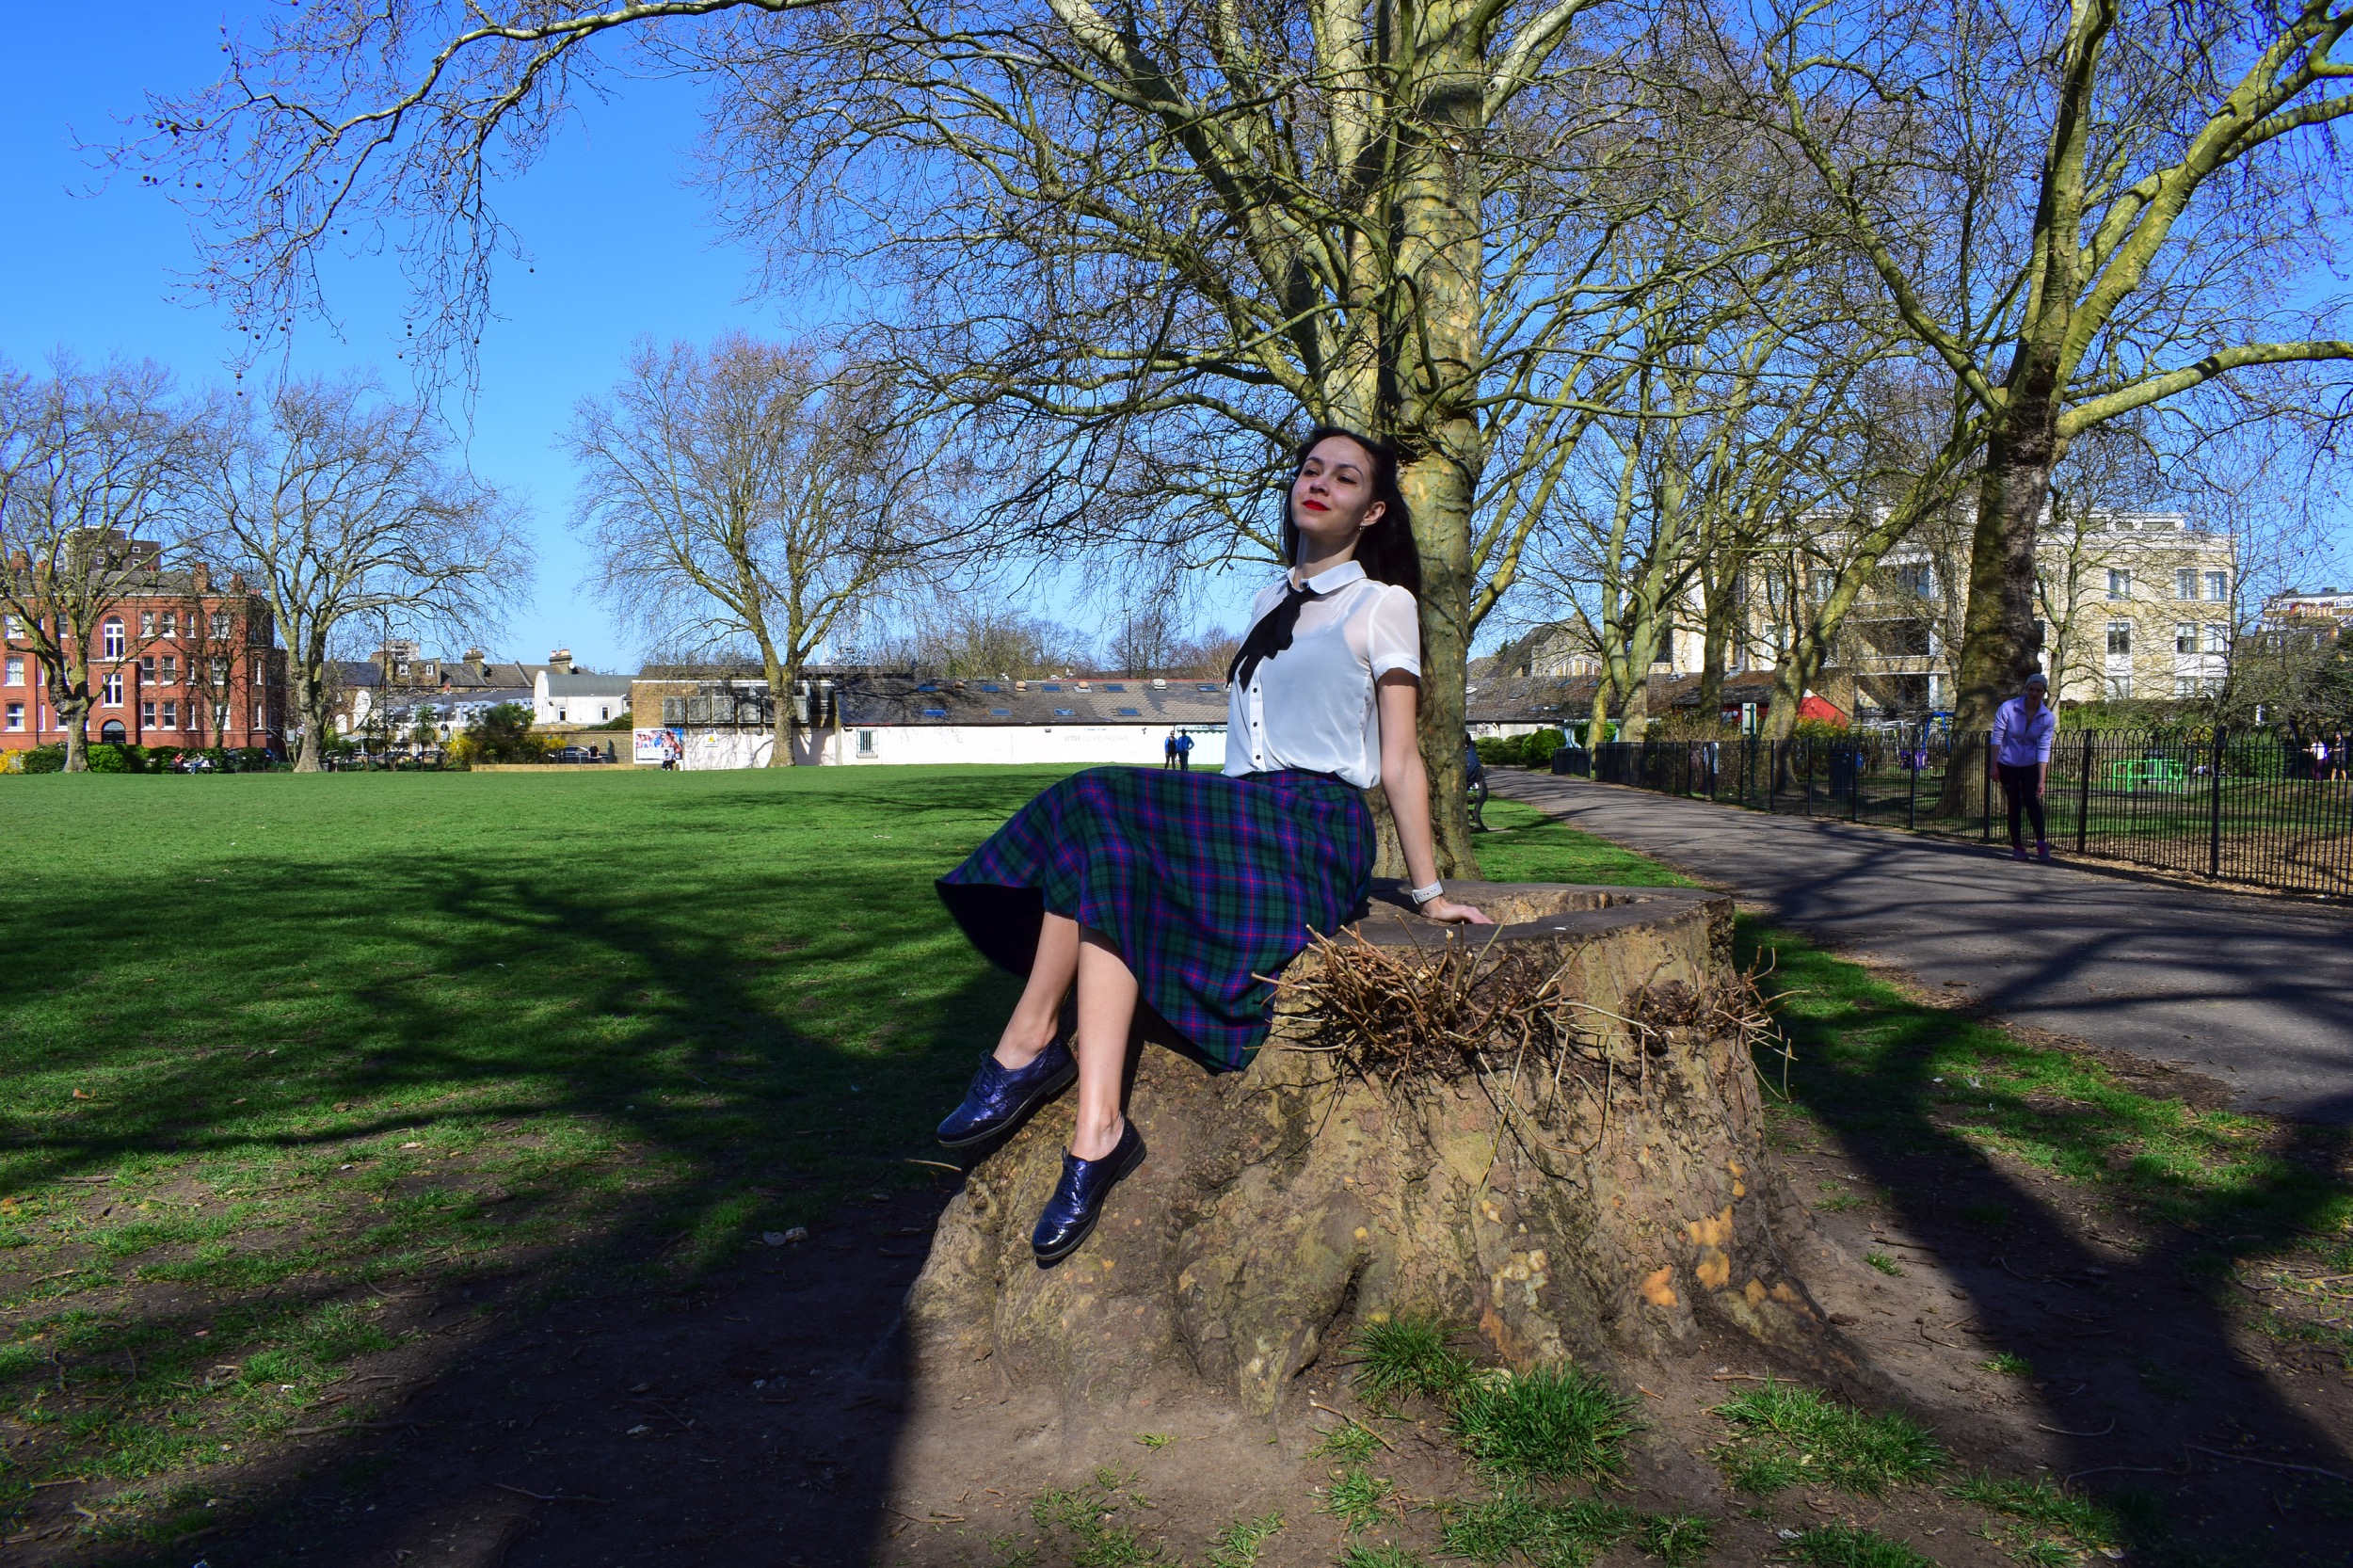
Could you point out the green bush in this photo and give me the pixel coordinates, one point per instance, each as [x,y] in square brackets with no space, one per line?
[1536,750]
[107,758]
[48,759]
[1499,751]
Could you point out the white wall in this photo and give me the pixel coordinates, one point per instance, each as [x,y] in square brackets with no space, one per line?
[998,744]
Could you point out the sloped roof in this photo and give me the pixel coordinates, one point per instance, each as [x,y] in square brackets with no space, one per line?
[1549,700]
[906,699]
[582,684]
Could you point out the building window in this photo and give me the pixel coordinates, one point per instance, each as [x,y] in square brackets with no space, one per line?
[111,636]
[2184,685]
[2184,638]
[172,669]
[2120,584]
[2218,637]
[16,716]
[172,715]
[16,669]
[604,712]
[2120,636]
[1915,580]
[147,669]
[560,718]
[2120,688]
[2219,585]
[147,623]
[866,742]
[220,672]
[110,689]
[171,623]
[147,715]
[2185,583]
[220,621]
[13,625]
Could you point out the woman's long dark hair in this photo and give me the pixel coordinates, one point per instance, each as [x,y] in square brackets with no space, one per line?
[1386,550]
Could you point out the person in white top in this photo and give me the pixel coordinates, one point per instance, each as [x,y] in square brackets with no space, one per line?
[2022,727]
[1175,892]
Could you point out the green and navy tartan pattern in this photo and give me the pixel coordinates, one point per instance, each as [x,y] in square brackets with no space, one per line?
[1204,882]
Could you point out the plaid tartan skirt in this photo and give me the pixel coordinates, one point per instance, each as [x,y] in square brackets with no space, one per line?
[1204,882]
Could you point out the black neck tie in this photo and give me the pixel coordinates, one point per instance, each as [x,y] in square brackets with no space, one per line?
[1270,636]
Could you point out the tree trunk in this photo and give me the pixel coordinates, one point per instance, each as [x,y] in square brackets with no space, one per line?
[781,679]
[310,700]
[1440,510]
[1603,1209]
[1998,644]
[73,710]
[1718,586]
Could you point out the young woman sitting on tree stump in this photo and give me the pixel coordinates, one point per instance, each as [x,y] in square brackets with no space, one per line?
[1179,891]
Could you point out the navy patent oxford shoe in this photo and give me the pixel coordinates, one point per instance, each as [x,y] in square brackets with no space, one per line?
[1077,1200]
[1002,1097]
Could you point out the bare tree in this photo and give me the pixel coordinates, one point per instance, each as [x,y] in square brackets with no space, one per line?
[968,636]
[1141,248]
[2079,213]
[1146,639]
[340,505]
[90,463]
[758,492]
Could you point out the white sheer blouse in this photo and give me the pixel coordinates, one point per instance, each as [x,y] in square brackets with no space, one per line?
[1311,706]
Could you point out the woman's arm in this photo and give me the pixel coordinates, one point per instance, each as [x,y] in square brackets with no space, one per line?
[1407,784]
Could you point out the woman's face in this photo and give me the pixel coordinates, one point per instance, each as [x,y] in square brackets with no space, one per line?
[1332,500]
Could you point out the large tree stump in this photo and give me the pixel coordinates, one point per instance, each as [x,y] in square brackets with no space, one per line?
[1597,1204]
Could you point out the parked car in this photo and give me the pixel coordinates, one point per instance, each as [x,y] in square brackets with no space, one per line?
[579,754]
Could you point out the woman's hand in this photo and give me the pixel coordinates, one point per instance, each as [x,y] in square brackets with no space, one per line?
[1451,913]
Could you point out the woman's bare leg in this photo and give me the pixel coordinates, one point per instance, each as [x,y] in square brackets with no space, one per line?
[1107,1014]
[1038,1013]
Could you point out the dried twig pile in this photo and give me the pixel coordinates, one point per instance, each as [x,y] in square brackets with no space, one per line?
[1499,1011]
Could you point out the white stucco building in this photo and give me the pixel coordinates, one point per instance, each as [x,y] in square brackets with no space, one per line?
[561,697]
[867,718]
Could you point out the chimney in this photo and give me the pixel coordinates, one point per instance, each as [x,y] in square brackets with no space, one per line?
[561,660]
[475,658]
[202,576]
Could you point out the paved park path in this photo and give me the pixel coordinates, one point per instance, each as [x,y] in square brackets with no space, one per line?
[2255,992]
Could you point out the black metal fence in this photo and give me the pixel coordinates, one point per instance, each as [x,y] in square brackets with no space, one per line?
[2247,807]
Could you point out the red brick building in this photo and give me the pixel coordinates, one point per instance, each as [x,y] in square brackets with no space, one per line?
[177,661]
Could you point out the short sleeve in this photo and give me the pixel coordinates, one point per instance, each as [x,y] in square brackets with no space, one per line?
[1394,635]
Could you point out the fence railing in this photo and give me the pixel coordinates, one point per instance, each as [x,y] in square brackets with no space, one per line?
[2249,808]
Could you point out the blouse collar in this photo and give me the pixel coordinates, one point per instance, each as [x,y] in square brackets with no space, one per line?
[1350,571]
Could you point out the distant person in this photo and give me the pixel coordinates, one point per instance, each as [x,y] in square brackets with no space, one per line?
[1180,894]
[2022,752]
[1184,752]
[1168,750]
[2337,758]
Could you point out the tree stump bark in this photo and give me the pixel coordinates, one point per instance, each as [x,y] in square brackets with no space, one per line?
[1598,1205]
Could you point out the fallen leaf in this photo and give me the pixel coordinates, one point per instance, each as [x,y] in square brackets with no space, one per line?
[343,1104]
[412,1145]
[81,1094]
[639,1430]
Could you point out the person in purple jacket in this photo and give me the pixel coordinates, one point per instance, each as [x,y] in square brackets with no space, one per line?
[2023,729]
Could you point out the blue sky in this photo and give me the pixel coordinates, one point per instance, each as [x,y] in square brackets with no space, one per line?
[620,248]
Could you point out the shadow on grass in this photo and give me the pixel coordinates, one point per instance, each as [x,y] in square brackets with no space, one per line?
[1978,1140]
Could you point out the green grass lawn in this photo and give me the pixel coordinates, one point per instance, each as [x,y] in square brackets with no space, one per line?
[270,1045]
[328,1033]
